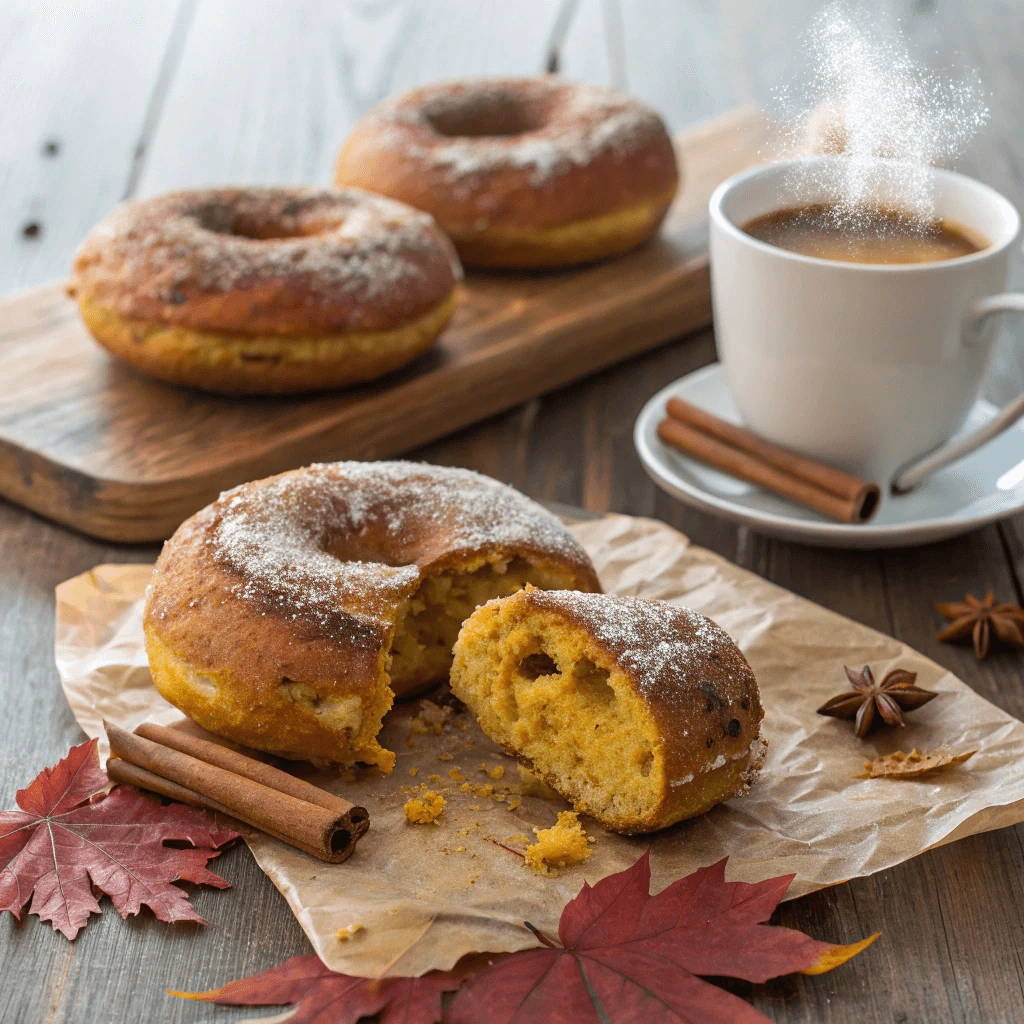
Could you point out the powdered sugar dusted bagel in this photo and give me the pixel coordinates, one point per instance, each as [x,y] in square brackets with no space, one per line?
[640,713]
[288,614]
[520,172]
[265,290]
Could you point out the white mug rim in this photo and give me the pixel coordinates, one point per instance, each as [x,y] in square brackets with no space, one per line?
[725,223]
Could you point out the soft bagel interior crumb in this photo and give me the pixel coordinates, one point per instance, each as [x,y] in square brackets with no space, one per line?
[541,687]
[428,625]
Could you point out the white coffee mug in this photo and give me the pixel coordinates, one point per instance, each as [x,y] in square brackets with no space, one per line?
[869,367]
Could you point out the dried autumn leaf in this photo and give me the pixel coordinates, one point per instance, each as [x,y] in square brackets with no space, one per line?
[914,765]
[320,995]
[66,840]
[627,955]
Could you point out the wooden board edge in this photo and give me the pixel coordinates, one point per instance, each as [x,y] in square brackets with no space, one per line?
[128,512]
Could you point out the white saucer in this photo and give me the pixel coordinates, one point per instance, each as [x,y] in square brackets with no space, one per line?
[987,485]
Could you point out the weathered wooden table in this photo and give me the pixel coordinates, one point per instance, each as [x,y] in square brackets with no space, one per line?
[111,99]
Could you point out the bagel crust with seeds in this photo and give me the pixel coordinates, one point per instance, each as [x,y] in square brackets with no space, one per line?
[520,172]
[289,614]
[265,290]
[639,713]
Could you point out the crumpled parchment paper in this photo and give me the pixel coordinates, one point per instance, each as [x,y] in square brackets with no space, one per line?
[427,894]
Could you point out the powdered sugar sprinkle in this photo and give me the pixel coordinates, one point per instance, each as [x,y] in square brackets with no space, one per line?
[653,640]
[320,538]
[590,120]
[338,242]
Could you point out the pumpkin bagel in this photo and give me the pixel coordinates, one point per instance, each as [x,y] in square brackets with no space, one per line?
[265,290]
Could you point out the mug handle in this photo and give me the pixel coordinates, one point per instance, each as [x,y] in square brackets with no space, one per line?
[915,473]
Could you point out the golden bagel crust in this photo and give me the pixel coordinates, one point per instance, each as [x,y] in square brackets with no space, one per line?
[505,165]
[690,693]
[265,290]
[581,242]
[262,364]
[271,613]
[267,261]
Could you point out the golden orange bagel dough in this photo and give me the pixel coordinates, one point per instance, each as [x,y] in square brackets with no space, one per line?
[288,614]
[266,290]
[520,172]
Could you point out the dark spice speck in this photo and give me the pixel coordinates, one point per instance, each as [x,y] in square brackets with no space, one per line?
[713,700]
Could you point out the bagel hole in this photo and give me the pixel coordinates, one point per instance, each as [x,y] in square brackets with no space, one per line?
[475,116]
[269,231]
[293,221]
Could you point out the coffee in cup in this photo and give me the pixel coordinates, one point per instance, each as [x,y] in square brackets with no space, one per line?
[873,234]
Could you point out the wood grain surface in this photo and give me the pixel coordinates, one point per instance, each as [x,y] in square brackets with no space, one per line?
[115,84]
[98,447]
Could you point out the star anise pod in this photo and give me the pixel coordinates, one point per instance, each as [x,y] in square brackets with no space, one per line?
[868,700]
[980,619]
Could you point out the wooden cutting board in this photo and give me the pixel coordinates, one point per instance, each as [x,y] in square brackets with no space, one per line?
[92,444]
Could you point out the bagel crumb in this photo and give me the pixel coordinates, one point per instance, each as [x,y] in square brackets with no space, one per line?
[558,847]
[426,810]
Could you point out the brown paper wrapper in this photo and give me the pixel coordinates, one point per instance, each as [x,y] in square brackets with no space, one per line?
[423,903]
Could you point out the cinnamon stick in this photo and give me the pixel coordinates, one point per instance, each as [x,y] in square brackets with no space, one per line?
[736,451]
[234,761]
[123,771]
[205,774]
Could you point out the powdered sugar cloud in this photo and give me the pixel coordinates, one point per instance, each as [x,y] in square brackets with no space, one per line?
[889,116]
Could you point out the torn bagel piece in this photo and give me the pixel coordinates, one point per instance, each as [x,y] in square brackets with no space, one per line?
[640,713]
[289,614]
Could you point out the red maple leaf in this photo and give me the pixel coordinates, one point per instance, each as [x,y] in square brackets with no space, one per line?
[630,956]
[626,956]
[63,842]
[322,996]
